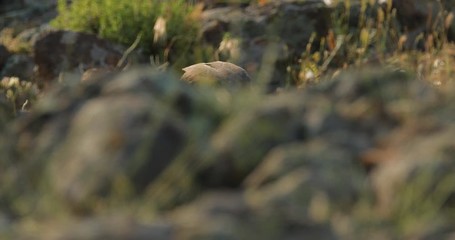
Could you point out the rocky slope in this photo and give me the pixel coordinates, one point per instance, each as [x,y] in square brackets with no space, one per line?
[140,154]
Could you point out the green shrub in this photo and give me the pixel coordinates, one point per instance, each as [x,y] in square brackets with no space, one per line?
[123,21]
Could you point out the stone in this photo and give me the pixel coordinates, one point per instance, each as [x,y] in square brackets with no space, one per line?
[6,112]
[60,51]
[4,55]
[291,175]
[19,65]
[115,227]
[238,147]
[214,215]
[124,129]
[250,39]
[415,158]
[9,5]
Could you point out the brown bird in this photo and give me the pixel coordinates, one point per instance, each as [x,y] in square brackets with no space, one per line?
[217,73]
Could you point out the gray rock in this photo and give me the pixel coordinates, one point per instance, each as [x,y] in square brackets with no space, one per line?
[228,215]
[417,158]
[107,227]
[19,65]
[8,5]
[66,51]
[242,141]
[292,176]
[254,30]
[87,135]
[6,112]
[215,215]
[4,54]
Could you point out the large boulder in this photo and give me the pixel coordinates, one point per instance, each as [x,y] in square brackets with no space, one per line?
[360,106]
[90,138]
[8,5]
[143,142]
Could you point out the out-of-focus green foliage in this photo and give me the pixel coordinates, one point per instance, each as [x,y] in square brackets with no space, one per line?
[167,28]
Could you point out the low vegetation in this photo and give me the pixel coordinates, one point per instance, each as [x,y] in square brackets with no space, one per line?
[211,138]
[167,30]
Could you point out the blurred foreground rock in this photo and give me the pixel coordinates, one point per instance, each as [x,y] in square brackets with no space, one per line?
[142,155]
[294,161]
[128,127]
[343,159]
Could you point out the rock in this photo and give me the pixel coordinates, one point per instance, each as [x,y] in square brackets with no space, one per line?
[60,51]
[24,14]
[220,73]
[414,171]
[293,176]
[418,159]
[368,104]
[362,106]
[6,112]
[215,215]
[28,37]
[111,227]
[238,147]
[19,65]
[227,215]
[102,131]
[4,55]
[125,130]
[8,5]
[288,16]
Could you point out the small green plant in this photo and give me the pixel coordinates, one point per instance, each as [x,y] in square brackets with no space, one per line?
[168,29]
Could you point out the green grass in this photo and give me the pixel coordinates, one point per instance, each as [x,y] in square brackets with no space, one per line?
[122,21]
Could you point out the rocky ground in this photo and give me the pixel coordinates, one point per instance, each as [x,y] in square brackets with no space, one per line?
[133,152]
